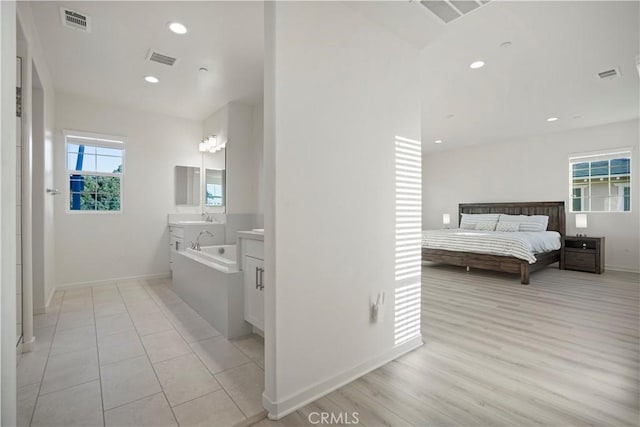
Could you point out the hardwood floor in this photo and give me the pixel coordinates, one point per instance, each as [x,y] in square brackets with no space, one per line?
[563,351]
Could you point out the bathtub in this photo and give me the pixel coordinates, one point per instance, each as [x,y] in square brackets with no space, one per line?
[221,257]
[209,281]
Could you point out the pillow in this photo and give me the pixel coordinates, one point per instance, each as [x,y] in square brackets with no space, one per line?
[508,226]
[475,218]
[527,222]
[486,225]
[467,226]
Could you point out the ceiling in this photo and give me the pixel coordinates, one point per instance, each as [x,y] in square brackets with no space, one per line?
[109,63]
[550,70]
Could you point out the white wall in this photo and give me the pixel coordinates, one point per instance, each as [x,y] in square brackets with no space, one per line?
[535,169]
[44,260]
[341,89]
[8,213]
[236,123]
[94,247]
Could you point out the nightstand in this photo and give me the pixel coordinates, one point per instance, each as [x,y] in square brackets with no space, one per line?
[582,254]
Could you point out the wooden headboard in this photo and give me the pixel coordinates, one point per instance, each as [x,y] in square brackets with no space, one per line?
[555,211]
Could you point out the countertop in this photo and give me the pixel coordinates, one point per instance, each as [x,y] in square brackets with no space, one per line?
[254,235]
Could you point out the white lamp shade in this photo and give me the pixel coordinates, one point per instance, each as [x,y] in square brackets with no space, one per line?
[446,219]
[581,221]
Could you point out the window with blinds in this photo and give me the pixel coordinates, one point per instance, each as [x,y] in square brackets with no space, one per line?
[600,182]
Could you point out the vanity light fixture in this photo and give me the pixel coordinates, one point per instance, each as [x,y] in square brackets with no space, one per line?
[211,144]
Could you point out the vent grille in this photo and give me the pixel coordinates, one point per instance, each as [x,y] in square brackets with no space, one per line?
[609,74]
[161,58]
[75,20]
[449,10]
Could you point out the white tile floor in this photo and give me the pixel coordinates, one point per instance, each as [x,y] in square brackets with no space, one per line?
[134,354]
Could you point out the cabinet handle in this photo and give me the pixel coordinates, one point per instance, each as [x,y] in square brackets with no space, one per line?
[257,275]
[177,245]
[261,279]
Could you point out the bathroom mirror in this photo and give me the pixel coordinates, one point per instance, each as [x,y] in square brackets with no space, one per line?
[214,167]
[187,186]
[214,187]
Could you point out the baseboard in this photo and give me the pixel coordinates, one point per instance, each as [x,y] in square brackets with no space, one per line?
[107,282]
[289,404]
[623,269]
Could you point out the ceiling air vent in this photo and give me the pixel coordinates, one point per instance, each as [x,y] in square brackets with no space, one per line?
[75,20]
[161,58]
[609,74]
[448,10]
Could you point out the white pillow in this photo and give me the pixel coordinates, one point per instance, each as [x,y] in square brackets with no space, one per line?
[527,222]
[486,225]
[475,218]
[508,226]
[467,226]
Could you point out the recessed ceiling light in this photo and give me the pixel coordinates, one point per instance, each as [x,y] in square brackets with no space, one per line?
[505,44]
[151,79]
[438,141]
[203,69]
[477,64]
[552,119]
[177,28]
[450,116]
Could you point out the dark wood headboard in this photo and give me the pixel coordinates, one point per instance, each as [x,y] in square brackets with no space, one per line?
[555,211]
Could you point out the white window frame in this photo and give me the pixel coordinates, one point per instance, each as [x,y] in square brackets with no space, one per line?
[589,157]
[95,140]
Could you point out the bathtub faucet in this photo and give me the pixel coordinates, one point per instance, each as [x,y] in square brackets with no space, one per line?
[196,245]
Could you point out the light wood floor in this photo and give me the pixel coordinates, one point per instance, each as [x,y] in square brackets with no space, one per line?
[563,351]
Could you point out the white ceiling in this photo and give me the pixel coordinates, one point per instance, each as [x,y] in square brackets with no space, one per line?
[551,69]
[109,62]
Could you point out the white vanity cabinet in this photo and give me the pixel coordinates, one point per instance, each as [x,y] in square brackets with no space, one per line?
[251,246]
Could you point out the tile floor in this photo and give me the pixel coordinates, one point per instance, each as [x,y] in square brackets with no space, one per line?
[134,354]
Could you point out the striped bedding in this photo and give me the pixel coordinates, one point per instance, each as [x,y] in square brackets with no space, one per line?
[522,245]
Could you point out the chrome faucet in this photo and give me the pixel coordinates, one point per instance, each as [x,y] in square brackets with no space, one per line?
[196,245]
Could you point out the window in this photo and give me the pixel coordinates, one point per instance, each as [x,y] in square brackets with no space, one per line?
[95,168]
[601,182]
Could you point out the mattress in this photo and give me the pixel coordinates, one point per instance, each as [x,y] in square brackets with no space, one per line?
[522,245]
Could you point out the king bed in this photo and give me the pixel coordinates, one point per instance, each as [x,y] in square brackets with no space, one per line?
[521,252]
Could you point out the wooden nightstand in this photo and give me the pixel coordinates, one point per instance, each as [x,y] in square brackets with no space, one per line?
[582,254]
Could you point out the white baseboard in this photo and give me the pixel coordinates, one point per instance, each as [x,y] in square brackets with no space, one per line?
[107,282]
[623,269]
[287,405]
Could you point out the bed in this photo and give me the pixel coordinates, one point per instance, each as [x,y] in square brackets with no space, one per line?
[507,264]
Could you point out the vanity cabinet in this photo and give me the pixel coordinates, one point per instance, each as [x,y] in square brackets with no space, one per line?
[254,291]
[252,264]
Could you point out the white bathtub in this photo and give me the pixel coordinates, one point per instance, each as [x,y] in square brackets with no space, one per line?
[223,256]
[210,282]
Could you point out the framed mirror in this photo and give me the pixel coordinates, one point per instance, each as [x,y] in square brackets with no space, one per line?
[214,187]
[187,186]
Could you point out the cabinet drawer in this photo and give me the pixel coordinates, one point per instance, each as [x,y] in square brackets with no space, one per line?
[580,260]
[177,231]
[254,248]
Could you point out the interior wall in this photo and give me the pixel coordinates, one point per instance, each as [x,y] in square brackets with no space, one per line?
[535,169]
[340,94]
[8,213]
[44,284]
[94,247]
[236,124]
